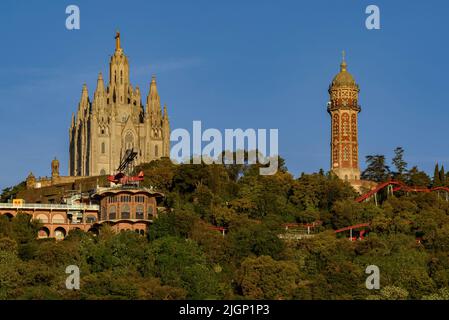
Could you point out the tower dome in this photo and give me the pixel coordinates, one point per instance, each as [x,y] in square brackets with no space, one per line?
[343,78]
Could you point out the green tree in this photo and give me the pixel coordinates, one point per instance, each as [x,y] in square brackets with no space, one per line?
[418,178]
[399,164]
[442,176]
[180,263]
[436,177]
[265,278]
[376,169]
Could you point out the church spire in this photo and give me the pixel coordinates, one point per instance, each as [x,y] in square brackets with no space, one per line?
[100,83]
[153,101]
[153,88]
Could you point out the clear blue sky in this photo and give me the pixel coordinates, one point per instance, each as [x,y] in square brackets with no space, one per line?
[231,64]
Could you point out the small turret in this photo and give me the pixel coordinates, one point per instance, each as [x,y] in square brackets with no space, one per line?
[31,181]
[55,168]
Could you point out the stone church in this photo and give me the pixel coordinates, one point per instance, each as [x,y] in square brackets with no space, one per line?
[115,121]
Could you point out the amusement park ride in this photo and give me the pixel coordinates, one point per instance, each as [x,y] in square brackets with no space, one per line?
[359,231]
[122,177]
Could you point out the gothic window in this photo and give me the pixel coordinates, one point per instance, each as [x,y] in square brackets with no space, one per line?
[121,77]
[103,148]
[354,127]
[156,151]
[345,124]
[125,214]
[112,213]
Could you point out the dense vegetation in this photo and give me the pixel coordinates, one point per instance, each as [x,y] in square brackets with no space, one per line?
[182,257]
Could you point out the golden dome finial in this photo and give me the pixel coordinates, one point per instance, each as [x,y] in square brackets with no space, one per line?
[343,64]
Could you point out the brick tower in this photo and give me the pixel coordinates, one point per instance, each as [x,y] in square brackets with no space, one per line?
[343,108]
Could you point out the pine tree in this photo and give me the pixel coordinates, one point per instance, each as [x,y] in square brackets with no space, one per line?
[436,176]
[376,169]
[442,176]
[399,163]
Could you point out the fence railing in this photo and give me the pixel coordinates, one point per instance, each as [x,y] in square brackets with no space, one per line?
[50,206]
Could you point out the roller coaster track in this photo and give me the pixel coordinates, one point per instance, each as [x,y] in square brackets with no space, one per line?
[393,186]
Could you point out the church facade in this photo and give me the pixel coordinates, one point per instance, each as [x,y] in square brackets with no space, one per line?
[115,121]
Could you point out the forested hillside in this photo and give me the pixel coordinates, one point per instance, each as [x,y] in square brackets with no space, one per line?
[183,258]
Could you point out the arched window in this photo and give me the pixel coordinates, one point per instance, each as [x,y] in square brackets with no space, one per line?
[124,210]
[103,148]
[139,212]
[112,213]
[121,77]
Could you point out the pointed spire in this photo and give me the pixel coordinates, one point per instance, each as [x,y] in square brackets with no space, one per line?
[100,83]
[153,101]
[153,87]
[84,93]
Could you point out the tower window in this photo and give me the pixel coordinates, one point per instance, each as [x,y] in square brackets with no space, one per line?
[103,148]
[156,151]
